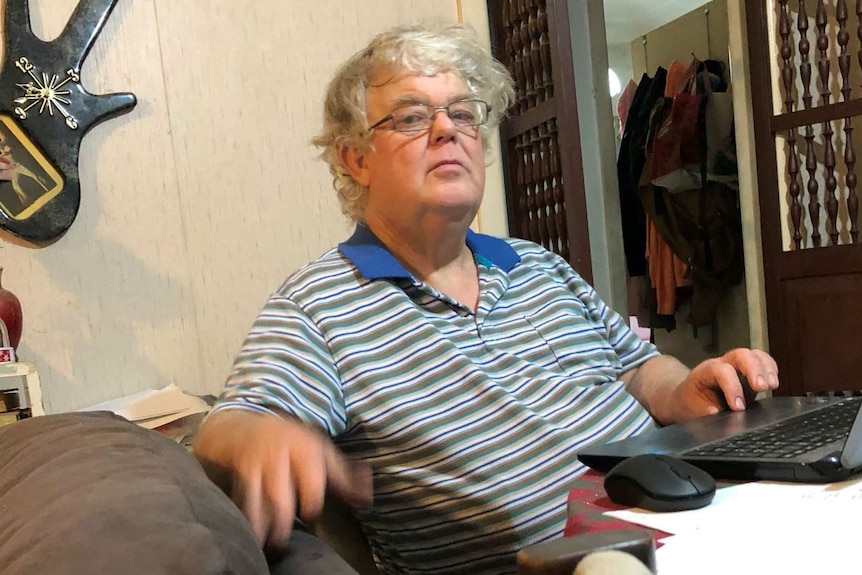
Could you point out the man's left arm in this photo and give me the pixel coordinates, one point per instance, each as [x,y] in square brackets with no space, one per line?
[671,392]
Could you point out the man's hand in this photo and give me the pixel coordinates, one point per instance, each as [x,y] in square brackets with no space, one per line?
[276,469]
[672,393]
[727,381]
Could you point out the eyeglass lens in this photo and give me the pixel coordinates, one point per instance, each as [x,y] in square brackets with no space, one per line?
[463,114]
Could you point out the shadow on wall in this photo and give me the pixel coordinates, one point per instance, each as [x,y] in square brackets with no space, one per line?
[97,329]
[93,329]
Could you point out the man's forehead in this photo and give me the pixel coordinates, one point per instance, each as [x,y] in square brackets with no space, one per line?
[406,85]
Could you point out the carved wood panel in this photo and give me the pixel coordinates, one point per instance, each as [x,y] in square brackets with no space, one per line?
[541,145]
[806,68]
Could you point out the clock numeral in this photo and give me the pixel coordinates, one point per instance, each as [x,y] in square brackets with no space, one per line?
[24,65]
[45,92]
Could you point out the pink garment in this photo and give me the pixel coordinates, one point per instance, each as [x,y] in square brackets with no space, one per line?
[624,104]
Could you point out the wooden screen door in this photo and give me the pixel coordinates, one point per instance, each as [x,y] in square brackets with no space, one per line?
[806,68]
[541,148]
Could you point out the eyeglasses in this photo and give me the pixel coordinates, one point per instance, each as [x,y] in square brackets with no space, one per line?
[418,117]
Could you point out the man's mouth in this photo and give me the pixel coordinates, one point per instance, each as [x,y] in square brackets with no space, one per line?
[447,163]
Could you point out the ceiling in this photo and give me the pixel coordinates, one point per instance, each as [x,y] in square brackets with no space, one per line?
[625,20]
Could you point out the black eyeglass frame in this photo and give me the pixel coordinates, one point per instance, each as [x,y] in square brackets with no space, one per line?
[433,111]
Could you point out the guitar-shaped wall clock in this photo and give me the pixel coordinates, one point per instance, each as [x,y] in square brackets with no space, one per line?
[45,112]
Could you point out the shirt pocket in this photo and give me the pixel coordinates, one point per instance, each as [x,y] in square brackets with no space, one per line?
[579,345]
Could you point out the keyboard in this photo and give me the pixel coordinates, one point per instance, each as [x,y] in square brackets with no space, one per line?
[788,438]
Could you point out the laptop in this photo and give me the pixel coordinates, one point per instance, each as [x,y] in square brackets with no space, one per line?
[797,439]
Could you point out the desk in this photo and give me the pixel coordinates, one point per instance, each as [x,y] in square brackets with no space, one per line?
[586,503]
[765,527]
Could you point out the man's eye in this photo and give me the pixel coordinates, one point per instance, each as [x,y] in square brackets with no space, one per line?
[412,119]
[462,117]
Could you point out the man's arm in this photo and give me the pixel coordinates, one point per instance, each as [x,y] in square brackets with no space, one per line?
[276,469]
[672,393]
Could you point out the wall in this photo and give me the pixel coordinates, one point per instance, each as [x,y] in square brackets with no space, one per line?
[198,203]
[749,197]
[492,218]
[703,32]
[599,150]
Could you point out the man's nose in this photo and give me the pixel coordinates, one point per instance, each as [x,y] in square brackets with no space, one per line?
[442,126]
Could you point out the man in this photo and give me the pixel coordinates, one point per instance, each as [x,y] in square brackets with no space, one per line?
[464,372]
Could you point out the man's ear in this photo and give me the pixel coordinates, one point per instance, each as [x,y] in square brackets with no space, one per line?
[354,162]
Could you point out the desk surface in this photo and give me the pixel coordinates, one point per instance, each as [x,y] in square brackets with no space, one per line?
[586,503]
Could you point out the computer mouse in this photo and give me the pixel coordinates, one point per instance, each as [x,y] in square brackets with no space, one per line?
[659,483]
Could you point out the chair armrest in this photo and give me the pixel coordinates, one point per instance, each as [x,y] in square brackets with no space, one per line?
[562,556]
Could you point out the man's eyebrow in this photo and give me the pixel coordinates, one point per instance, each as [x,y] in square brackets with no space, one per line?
[408,99]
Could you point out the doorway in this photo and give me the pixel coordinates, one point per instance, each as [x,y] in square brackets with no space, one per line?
[641,39]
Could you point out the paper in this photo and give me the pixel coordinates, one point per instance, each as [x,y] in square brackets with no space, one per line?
[154,407]
[763,505]
[803,551]
[761,527]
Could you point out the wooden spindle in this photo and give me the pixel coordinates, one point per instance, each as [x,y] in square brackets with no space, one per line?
[535,52]
[529,175]
[527,61]
[539,190]
[804,50]
[523,215]
[784,27]
[823,66]
[545,50]
[841,14]
[859,30]
[810,157]
[559,195]
[547,186]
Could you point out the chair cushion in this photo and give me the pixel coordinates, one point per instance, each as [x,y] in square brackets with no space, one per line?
[85,493]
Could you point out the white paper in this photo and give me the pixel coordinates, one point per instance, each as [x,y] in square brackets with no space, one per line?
[755,507]
[797,550]
[761,528]
[154,407]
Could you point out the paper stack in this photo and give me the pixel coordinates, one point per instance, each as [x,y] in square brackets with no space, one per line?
[761,527]
[154,408]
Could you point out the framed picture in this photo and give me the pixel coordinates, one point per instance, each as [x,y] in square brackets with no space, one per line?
[28,179]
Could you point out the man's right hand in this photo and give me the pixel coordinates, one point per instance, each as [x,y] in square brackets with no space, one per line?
[276,469]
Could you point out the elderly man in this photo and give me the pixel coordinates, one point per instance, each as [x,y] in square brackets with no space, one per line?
[451,375]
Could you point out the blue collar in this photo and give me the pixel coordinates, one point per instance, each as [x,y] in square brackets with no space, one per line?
[374,261]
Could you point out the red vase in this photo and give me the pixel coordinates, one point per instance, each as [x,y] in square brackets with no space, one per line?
[10,313]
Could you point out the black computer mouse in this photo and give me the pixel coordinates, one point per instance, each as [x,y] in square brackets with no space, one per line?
[659,483]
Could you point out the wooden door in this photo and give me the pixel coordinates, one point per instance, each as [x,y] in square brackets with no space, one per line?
[806,67]
[542,164]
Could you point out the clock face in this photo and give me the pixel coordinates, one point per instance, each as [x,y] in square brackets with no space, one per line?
[44,93]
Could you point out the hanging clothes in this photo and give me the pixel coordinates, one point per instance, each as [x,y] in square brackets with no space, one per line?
[676,79]
[667,273]
[630,163]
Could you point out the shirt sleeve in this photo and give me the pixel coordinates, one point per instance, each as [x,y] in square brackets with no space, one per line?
[285,367]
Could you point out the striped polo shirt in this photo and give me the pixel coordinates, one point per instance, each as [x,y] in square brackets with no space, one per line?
[470,421]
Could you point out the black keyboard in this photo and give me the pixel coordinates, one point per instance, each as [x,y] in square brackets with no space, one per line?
[788,438]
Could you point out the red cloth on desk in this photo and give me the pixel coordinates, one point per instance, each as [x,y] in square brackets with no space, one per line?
[587,502]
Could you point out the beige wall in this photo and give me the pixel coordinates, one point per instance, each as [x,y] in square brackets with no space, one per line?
[198,203]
